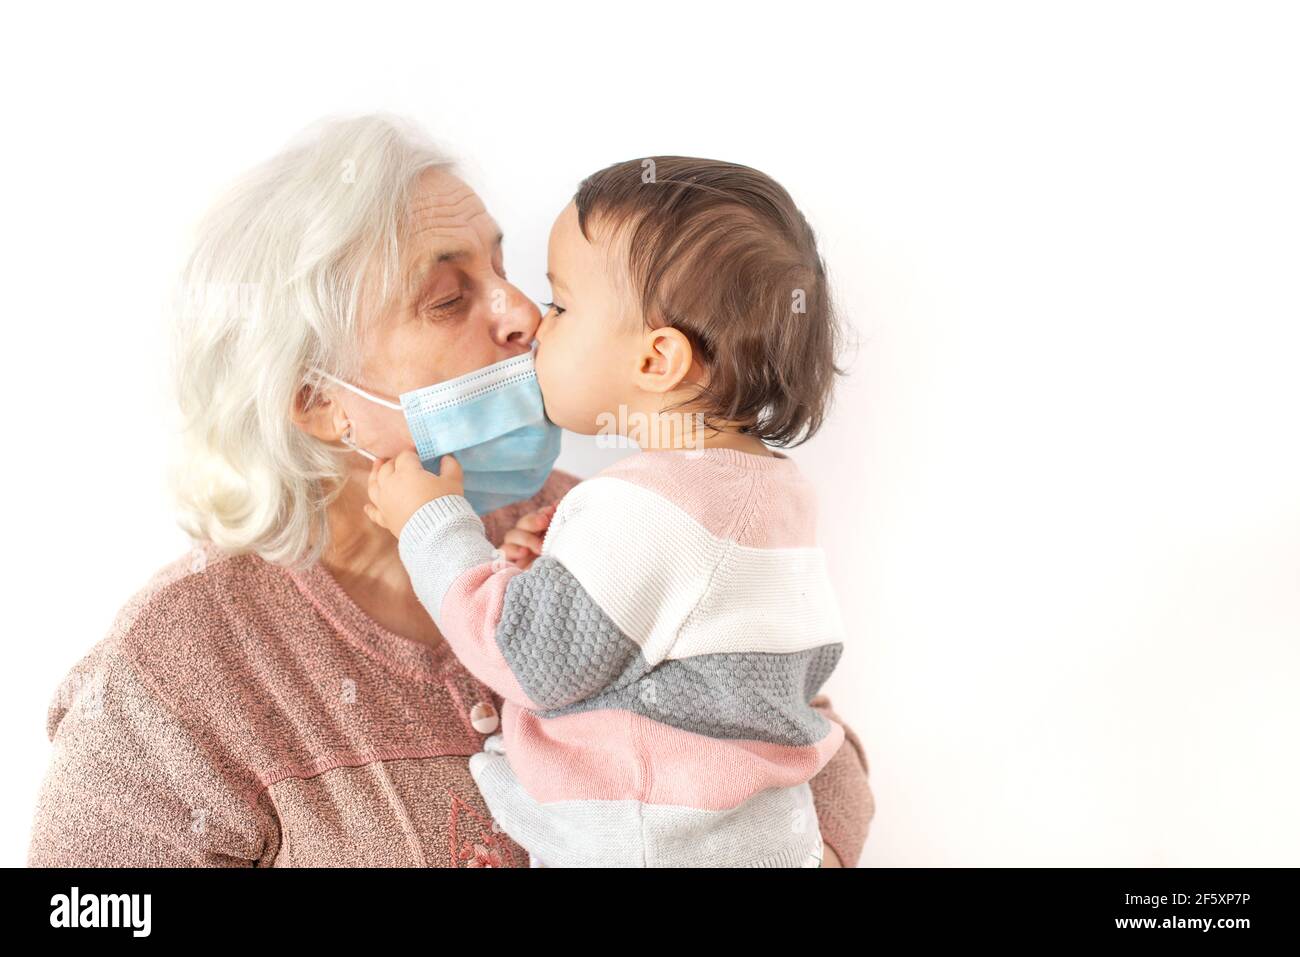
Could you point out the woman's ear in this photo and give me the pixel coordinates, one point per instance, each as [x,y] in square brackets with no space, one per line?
[665,360]
[315,413]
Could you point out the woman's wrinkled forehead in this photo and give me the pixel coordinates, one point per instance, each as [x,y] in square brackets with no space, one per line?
[447,231]
[447,223]
[442,201]
[445,210]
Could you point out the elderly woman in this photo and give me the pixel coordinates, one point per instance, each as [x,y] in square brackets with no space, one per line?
[278,696]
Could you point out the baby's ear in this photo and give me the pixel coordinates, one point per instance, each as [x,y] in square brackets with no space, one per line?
[665,360]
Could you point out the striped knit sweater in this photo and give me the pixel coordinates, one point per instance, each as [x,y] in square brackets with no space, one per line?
[657,661]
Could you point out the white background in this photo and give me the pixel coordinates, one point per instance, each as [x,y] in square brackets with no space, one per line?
[1059,488]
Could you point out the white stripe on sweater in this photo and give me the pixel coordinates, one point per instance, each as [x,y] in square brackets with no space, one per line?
[676,589]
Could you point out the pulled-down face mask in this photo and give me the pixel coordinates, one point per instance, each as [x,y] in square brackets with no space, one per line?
[493,420]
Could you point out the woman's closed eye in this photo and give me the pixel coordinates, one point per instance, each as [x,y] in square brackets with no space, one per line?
[442,309]
[559,310]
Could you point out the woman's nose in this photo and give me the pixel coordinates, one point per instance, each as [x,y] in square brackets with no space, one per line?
[513,315]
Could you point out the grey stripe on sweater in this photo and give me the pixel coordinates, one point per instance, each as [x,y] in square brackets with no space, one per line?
[569,657]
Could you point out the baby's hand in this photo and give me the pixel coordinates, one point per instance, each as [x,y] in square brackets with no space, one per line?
[523,543]
[399,487]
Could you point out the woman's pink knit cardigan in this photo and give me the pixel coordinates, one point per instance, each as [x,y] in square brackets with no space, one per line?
[242,714]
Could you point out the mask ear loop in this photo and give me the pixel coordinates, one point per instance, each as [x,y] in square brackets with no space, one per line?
[361,392]
[346,439]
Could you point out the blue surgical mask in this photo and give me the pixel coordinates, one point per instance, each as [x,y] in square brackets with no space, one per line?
[493,420]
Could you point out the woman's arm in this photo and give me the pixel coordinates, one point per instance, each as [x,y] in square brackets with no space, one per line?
[129,785]
[842,795]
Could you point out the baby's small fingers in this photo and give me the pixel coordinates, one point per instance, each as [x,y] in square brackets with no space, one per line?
[375,515]
[520,557]
[517,536]
[534,521]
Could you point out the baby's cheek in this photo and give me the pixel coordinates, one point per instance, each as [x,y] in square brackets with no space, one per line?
[576,387]
[544,376]
[556,383]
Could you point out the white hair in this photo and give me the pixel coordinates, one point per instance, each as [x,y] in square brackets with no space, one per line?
[271,289]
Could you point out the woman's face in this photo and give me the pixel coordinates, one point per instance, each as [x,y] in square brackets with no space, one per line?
[454,312]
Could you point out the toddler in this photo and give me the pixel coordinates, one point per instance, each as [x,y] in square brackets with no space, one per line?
[658,648]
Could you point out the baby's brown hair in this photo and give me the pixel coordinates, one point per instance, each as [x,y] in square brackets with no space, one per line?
[720,252]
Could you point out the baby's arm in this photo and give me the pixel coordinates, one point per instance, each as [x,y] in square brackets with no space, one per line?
[535,637]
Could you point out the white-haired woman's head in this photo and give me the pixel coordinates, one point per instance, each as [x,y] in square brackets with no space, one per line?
[275,285]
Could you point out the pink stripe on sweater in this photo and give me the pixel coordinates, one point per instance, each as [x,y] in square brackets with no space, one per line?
[471,611]
[613,754]
[757,501]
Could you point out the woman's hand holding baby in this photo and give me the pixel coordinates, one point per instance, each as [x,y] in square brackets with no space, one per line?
[399,487]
